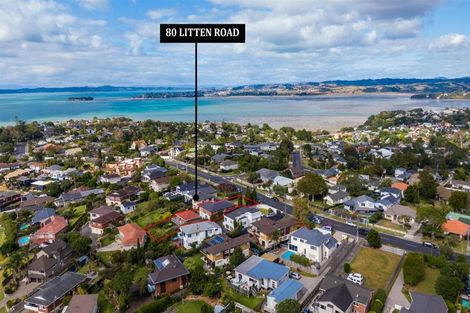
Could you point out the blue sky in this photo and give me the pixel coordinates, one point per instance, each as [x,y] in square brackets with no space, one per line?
[97,42]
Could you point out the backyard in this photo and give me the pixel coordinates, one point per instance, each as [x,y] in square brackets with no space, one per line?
[250,302]
[150,218]
[193,306]
[427,285]
[75,213]
[377,266]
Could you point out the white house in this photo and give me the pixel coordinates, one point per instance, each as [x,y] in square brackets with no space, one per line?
[127,207]
[228,165]
[313,244]
[361,204]
[336,198]
[283,182]
[244,216]
[256,273]
[196,233]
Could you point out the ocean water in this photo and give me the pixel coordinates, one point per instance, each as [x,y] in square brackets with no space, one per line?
[311,112]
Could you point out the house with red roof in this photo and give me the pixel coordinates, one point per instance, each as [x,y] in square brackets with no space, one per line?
[456,227]
[185,217]
[131,235]
[50,229]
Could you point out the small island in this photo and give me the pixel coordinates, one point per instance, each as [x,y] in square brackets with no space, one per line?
[80,98]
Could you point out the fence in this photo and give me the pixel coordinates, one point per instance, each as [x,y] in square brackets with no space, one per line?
[395,274]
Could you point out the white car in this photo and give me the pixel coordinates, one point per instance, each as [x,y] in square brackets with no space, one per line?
[350,223]
[356,278]
[295,275]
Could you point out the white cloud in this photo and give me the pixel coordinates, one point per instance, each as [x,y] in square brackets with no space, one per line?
[91,5]
[158,14]
[449,42]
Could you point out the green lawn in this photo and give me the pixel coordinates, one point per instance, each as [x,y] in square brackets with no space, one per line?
[388,224]
[151,218]
[427,285]
[250,302]
[193,261]
[103,303]
[193,306]
[375,265]
[77,213]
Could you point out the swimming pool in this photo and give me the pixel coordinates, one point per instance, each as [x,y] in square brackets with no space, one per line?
[24,226]
[465,303]
[286,255]
[23,241]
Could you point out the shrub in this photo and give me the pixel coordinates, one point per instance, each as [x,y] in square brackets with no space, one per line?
[373,238]
[413,268]
[158,306]
[347,268]
[300,259]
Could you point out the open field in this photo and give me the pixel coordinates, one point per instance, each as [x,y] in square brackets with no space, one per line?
[375,265]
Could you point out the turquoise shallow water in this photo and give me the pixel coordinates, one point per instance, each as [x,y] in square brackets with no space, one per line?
[314,112]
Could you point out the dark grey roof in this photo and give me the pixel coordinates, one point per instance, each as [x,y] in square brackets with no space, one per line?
[227,244]
[314,237]
[422,303]
[42,264]
[241,211]
[55,288]
[217,206]
[58,246]
[358,293]
[339,296]
[339,195]
[166,268]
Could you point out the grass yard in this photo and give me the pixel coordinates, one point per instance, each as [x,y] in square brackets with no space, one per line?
[77,213]
[193,306]
[251,302]
[151,218]
[103,303]
[427,285]
[193,261]
[375,265]
[388,224]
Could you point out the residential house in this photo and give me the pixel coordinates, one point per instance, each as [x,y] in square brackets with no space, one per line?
[76,196]
[126,167]
[9,197]
[228,165]
[138,144]
[36,203]
[160,184]
[83,304]
[212,209]
[283,182]
[422,303]
[185,217]
[48,297]
[152,172]
[169,276]
[196,233]
[112,178]
[267,175]
[50,229]
[460,184]
[256,273]
[187,191]
[289,289]
[131,235]
[50,261]
[244,217]
[339,295]
[41,215]
[313,244]
[125,194]
[400,186]
[362,205]
[221,247]
[400,214]
[148,151]
[104,220]
[268,228]
[456,227]
[337,198]
[127,207]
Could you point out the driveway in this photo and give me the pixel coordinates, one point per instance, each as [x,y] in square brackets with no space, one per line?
[115,246]
[23,290]
[396,297]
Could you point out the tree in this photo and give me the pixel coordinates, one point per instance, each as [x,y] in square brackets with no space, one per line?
[312,184]
[448,287]
[460,201]
[427,185]
[412,194]
[81,245]
[237,257]
[288,306]
[347,268]
[353,185]
[373,238]
[413,268]
[431,215]
[301,209]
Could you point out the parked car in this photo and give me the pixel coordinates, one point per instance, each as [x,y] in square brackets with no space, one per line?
[356,278]
[429,244]
[350,223]
[328,228]
[295,275]
[316,219]
[363,231]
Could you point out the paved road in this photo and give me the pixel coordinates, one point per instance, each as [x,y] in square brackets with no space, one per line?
[404,244]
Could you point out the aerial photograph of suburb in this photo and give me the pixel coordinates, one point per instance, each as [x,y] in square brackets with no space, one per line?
[235,156]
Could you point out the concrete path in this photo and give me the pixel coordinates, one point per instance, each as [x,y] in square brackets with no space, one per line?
[396,297]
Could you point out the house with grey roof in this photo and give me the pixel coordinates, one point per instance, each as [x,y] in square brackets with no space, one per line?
[337,197]
[170,276]
[196,233]
[422,303]
[339,295]
[266,174]
[47,297]
[313,244]
[212,208]
[362,205]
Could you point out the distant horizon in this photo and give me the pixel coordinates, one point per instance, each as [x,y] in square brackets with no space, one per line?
[181,86]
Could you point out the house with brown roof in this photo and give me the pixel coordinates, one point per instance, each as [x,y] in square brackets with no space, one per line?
[456,227]
[185,217]
[266,229]
[50,261]
[50,229]
[83,304]
[170,276]
[221,247]
[161,183]
[125,194]
[99,224]
[131,235]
